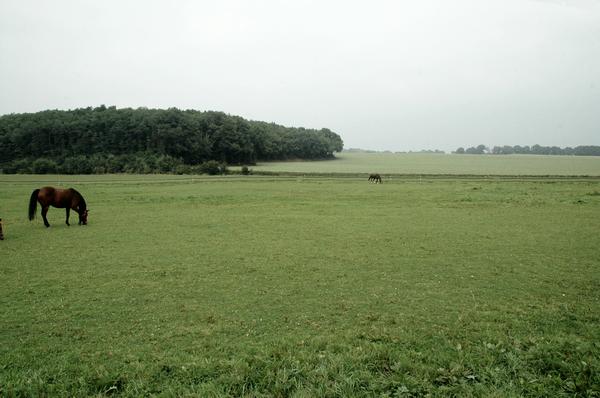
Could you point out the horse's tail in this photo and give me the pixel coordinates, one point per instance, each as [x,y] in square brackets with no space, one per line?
[33,204]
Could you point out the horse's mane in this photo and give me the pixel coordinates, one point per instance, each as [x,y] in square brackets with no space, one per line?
[82,204]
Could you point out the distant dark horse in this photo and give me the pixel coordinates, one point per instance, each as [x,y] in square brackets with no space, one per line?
[376,178]
[1,234]
[60,198]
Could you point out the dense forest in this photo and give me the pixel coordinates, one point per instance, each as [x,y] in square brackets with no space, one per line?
[584,150]
[107,139]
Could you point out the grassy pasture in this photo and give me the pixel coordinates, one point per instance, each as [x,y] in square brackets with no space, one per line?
[417,163]
[258,286]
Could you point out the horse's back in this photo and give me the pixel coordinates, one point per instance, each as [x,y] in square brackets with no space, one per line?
[49,192]
[55,197]
[46,194]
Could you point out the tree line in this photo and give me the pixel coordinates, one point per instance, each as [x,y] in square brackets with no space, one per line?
[583,150]
[107,139]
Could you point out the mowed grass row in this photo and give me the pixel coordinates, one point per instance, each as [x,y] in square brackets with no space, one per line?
[303,287]
[419,163]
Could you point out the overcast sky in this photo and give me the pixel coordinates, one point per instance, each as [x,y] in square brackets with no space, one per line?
[396,75]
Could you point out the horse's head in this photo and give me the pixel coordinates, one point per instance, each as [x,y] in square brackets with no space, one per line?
[83,217]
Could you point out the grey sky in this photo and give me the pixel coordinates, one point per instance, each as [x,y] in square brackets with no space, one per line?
[397,75]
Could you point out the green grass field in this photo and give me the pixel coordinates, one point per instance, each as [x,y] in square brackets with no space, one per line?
[292,286]
[388,163]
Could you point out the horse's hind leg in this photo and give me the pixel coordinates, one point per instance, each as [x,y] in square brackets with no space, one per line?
[68,212]
[44,212]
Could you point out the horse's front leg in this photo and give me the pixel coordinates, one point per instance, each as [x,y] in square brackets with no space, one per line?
[44,212]
[68,213]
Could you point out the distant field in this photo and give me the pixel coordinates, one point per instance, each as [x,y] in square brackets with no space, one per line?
[292,286]
[444,164]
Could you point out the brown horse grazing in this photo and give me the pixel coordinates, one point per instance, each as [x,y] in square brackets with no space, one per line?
[60,198]
[376,178]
